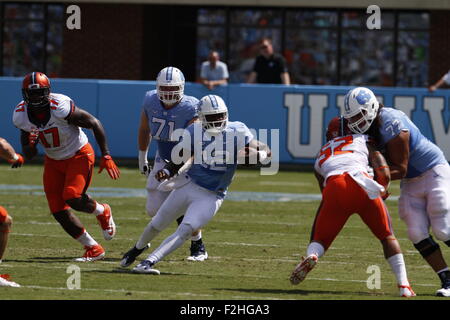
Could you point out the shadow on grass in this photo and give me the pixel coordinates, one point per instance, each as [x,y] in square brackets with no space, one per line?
[57,260]
[302,292]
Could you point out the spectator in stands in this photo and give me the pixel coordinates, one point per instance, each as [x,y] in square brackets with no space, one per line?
[445,79]
[213,71]
[269,67]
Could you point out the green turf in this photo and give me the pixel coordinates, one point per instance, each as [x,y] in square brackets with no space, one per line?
[253,248]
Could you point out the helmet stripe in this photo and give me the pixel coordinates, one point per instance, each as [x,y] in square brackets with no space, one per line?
[214,103]
[169,74]
[33,78]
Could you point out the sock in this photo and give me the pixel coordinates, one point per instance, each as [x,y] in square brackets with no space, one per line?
[315,248]
[148,235]
[398,267]
[444,274]
[445,269]
[98,209]
[86,240]
[197,237]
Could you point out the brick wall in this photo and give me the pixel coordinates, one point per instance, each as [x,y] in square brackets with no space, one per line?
[109,44]
[439,45]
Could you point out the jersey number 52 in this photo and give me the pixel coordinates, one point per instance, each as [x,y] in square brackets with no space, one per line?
[334,147]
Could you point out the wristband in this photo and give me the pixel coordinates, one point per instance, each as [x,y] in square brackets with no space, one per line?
[143,155]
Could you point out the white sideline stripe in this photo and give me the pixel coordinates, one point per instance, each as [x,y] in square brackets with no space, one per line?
[223,243]
[142,193]
[132,239]
[285,183]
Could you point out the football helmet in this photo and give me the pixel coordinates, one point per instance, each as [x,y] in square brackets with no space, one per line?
[337,127]
[36,89]
[361,107]
[170,85]
[213,113]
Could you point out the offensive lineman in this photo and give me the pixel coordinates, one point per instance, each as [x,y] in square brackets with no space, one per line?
[53,120]
[205,184]
[424,172]
[165,110]
[341,169]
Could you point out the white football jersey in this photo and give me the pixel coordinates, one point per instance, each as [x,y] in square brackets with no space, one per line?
[343,154]
[60,139]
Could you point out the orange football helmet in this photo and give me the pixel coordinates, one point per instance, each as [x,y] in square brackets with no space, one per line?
[337,127]
[36,89]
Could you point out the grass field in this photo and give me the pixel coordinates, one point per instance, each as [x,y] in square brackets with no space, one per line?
[253,247]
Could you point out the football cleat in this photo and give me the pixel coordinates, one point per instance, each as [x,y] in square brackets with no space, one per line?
[129,257]
[5,281]
[107,223]
[146,267]
[406,291]
[303,268]
[445,290]
[92,253]
[198,251]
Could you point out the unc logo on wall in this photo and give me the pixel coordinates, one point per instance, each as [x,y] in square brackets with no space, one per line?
[309,113]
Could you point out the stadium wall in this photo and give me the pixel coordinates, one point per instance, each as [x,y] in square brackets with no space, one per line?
[299,112]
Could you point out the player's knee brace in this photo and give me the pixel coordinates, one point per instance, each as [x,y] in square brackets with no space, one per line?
[426,247]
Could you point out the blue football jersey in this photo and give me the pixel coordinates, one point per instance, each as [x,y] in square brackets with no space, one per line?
[215,162]
[164,121]
[423,154]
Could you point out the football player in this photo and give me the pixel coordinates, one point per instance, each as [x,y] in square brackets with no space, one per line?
[341,169]
[164,110]
[54,120]
[8,153]
[422,168]
[214,144]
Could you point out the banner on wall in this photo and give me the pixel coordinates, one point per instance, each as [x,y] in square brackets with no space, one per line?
[299,114]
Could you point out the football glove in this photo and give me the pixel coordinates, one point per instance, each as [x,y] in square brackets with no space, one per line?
[17,162]
[33,137]
[106,162]
[162,175]
[144,167]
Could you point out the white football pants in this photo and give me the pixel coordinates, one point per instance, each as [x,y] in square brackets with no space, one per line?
[197,204]
[424,202]
[155,197]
